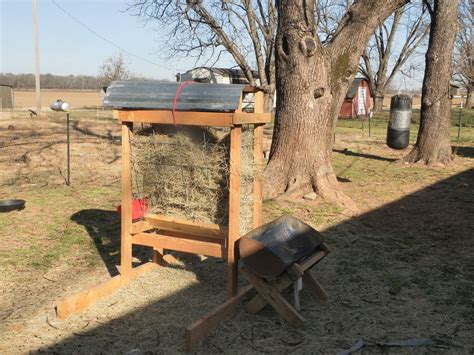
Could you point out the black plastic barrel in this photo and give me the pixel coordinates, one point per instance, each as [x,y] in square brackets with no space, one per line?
[398,132]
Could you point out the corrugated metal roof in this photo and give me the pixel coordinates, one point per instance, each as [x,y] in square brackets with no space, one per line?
[150,94]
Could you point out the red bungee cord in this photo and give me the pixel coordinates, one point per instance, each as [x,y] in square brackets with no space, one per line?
[176,96]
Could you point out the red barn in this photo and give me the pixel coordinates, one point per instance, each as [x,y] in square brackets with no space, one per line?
[358,100]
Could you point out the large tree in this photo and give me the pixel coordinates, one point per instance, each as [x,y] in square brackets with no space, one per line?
[390,47]
[312,81]
[464,50]
[433,144]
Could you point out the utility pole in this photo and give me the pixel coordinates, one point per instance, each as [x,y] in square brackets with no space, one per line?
[37,63]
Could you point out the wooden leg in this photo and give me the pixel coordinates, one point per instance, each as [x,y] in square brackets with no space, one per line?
[274,297]
[199,329]
[170,259]
[257,303]
[157,257]
[314,286]
[126,213]
[234,206]
[258,159]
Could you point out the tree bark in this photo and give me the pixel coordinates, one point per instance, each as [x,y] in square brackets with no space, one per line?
[378,101]
[433,144]
[470,97]
[312,82]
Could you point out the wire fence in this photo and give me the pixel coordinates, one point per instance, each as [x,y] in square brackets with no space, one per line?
[462,125]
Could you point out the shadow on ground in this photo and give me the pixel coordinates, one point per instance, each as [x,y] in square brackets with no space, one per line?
[467,152]
[363,155]
[104,229]
[402,271]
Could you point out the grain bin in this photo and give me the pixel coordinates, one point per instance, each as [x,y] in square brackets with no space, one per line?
[398,132]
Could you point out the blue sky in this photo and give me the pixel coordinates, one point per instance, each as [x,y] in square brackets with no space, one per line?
[68,48]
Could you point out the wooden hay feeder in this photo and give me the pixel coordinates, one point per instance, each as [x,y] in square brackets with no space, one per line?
[216,105]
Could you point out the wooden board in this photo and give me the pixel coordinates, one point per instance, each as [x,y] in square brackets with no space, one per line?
[79,302]
[140,226]
[284,281]
[251,118]
[181,242]
[217,119]
[234,208]
[274,297]
[258,157]
[201,328]
[188,227]
[126,213]
[314,286]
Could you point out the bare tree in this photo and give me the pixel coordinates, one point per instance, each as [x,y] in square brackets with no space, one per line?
[312,81]
[381,61]
[209,29]
[433,145]
[464,51]
[317,51]
[113,68]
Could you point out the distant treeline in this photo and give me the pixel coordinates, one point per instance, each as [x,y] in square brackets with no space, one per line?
[51,81]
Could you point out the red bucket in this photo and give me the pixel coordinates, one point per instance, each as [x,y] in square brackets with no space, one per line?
[139,208]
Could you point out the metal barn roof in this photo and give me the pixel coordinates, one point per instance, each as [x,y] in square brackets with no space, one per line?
[351,93]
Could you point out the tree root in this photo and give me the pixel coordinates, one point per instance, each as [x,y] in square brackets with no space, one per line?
[323,182]
[329,189]
[438,158]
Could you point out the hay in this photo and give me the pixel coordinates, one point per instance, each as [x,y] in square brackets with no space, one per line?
[183,172]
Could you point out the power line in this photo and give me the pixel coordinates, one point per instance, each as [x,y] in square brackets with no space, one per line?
[107,40]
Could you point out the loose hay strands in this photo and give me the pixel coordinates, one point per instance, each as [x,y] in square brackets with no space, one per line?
[183,172]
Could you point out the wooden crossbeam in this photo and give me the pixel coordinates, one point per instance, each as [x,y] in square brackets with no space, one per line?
[251,118]
[217,119]
[140,226]
[164,223]
[181,242]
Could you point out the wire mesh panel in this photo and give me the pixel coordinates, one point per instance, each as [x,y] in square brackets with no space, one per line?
[184,172]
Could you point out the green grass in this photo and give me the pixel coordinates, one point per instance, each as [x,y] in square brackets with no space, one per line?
[43,233]
[378,125]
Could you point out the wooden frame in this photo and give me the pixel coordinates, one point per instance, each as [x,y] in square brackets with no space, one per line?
[269,292]
[173,233]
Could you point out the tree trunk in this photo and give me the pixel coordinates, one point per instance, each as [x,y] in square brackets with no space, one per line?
[312,82]
[470,97]
[268,101]
[301,149]
[378,101]
[433,144]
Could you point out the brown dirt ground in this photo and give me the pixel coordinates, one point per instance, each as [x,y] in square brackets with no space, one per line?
[402,269]
[74,98]
[92,98]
